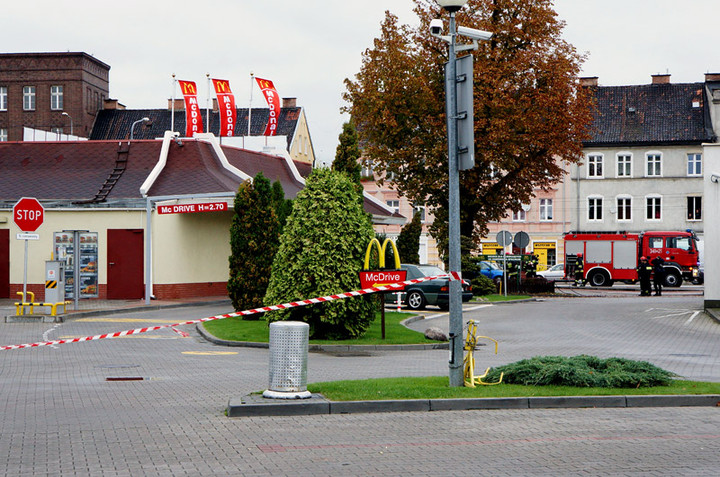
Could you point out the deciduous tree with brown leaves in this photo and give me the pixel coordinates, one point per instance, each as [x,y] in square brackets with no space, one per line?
[531,114]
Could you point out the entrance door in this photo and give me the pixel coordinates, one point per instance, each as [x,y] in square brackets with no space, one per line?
[4,263]
[125,264]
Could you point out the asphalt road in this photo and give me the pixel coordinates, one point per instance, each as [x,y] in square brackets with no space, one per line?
[60,416]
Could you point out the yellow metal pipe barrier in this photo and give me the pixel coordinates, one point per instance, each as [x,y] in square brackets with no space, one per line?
[469,361]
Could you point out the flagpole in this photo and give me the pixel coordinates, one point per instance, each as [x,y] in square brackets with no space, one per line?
[172,105]
[252,78]
[207,105]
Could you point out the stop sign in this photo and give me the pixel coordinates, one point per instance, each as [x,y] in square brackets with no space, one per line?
[28,214]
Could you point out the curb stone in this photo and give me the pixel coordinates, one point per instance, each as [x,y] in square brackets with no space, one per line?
[256,405]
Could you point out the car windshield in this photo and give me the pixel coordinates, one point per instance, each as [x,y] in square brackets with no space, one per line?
[557,267]
[430,271]
[492,265]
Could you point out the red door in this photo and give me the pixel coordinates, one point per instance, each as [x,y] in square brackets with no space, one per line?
[125,264]
[4,263]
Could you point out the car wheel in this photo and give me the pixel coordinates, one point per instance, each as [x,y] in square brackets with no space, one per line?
[673,279]
[599,279]
[416,300]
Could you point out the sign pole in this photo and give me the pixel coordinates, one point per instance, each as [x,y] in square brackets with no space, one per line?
[382,313]
[25,272]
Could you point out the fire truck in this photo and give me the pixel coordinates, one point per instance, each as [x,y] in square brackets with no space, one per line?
[608,257]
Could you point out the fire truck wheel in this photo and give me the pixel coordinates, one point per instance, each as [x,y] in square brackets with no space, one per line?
[673,279]
[599,278]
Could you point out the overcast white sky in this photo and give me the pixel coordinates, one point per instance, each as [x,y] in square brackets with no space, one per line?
[309,47]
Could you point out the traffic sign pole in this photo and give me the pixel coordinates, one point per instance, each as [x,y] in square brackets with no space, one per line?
[28,215]
[25,273]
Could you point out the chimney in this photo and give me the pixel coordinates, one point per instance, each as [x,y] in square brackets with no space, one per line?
[712,77]
[661,79]
[179,104]
[289,102]
[589,81]
[113,104]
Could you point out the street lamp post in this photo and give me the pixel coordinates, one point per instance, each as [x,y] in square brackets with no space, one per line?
[454,251]
[71,122]
[132,127]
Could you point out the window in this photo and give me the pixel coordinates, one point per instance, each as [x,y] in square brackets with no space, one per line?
[29,98]
[694,208]
[654,165]
[393,204]
[624,208]
[655,242]
[3,134]
[367,170]
[519,216]
[3,98]
[624,165]
[694,164]
[653,207]
[595,166]
[546,210]
[595,209]
[683,243]
[420,210]
[56,97]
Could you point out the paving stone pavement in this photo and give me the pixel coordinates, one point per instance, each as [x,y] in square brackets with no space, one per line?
[60,416]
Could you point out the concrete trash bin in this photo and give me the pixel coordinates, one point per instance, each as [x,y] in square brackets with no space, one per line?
[288,360]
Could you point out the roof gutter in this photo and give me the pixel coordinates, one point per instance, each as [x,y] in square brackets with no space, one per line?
[162,160]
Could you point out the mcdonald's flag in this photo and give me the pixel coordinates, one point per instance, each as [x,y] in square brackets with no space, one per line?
[226,107]
[193,120]
[273,101]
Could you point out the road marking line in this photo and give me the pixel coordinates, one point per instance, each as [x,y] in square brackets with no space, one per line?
[692,317]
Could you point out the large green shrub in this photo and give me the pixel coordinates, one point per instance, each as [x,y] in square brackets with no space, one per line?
[582,371]
[254,239]
[322,249]
[482,285]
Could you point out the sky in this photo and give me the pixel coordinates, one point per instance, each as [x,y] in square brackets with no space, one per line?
[309,48]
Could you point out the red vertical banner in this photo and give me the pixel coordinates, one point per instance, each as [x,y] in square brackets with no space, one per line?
[273,101]
[226,107]
[193,120]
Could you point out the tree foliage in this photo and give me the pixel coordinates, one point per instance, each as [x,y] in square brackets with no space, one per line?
[408,241]
[347,156]
[322,249]
[530,112]
[254,239]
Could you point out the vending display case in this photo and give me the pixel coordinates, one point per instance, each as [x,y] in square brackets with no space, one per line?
[86,252]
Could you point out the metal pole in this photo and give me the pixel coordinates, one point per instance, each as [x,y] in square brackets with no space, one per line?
[172,105]
[456,319]
[76,270]
[148,250]
[25,273]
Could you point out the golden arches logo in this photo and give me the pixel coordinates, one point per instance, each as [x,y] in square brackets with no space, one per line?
[381,253]
[188,87]
[221,86]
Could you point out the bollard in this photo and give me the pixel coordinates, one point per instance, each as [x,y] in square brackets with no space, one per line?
[288,360]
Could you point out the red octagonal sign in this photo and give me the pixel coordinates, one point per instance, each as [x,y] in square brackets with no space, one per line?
[28,214]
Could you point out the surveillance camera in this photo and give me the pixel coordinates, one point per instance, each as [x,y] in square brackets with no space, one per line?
[473,33]
[715,177]
[436,27]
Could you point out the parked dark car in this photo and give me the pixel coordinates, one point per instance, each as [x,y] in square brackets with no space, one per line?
[432,292]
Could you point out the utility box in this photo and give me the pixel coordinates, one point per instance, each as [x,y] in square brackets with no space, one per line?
[288,360]
[54,281]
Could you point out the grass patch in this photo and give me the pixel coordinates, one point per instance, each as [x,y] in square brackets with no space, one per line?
[237,329]
[496,297]
[438,388]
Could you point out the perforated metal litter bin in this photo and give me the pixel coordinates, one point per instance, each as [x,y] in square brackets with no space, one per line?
[288,360]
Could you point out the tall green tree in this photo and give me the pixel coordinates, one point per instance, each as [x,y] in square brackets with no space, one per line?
[281,205]
[254,239]
[322,249]
[408,241]
[531,114]
[347,156]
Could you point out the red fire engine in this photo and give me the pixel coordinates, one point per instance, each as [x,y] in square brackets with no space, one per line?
[614,256]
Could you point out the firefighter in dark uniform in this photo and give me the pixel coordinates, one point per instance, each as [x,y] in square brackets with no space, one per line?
[644,270]
[531,266]
[658,274]
[579,271]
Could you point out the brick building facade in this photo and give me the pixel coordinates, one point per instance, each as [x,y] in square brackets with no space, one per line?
[54,92]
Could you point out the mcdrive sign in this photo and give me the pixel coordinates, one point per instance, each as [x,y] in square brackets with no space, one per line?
[376,278]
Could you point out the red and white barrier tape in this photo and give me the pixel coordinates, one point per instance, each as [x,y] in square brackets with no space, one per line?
[293,304]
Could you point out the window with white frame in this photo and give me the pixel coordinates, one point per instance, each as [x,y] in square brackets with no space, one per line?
[694,164]
[595,209]
[420,210]
[366,170]
[595,166]
[653,207]
[29,98]
[546,210]
[519,216]
[393,204]
[3,134]
[654,164]
[624,208]
[694,208]
[3,98]
[624,165]
[56,97]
